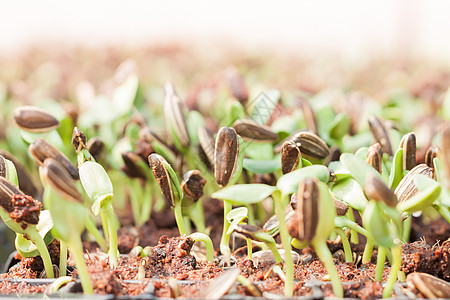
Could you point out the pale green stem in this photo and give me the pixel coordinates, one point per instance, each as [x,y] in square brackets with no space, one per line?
[276,253]
[147,202]
[406,229]
[444,211]
[326,258]
[187,224]
[36,238]
[249,248]
[112,233]
[278,200]
[135,194]
[201,237]
[395,268]
[197,216]
[76,248]
[104,224]
[251,214]
[353,234]
[381,259]
[225,240]
[345,245]
[179,218]
[62,258]
[92,229]
[367,254]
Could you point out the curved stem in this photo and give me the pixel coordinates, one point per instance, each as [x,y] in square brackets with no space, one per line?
[62,258]
[353,234]
[395,268]
[92,229]
[444,211]
[381,259]
[201,237]
[76,249]
[325,256]
[179,218]
[249,248]
[36,238]
[112,252]
[286,241]
[407,228]
[345,245]
[276,253]
[225,240]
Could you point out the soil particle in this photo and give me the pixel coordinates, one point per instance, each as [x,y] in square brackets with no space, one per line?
[25,209]
[421,257]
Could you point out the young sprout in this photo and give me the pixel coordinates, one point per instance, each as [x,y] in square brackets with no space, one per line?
[201,237]
[34,119]
[380,134]
[408,144]
[311,145]
[175,119]
[313,222]
[226,156]
[192,188]
[430,155]
[375,157]
[98,187]
[65,203]
[21,213]
[290,156]
[170,186]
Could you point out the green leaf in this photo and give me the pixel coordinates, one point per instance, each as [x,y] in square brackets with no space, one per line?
[288,183]
[124,95]
[11,172]
[262,166]
[358,168]
[25,247]
[396,174]
[378,225]
[327,214]
[339,127]
[244,194]
[236,216]
[194,121]
[96,183]
[349,191]
[429,191]
[340,172]
[258,151]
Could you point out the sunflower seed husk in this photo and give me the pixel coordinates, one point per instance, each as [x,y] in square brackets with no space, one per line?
[248,231]
[220,286]
[272,225]
[311,144]
[250,130]
[408,143]
[41,150]
[375,157]
[7,191]
[290,156]
[192,184]
[430,286]
[267,178]
[303,223]
[2,166]
[34,119]
[79,140]
[309,115]
[376,189]
[335,154]
[406,188]
[206,141]
[95,147]
[226,155]
[161,174]
[340,207]
[21,207]
[430,155]
[173,112]
[60,180]
[237,85]
[26,183]
[132,167]
[380,134]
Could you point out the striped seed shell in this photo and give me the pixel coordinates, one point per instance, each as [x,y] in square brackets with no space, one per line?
[408,143]
[428,285]
[41,150]
[34,119]
[303,223]
[290,156]
[406,188]
[248,231]
[156,162]
[95,147]
[375,157]
[192,184]
[221,285]
[380,134]
[226,155]
[272,225]
[376,189]
[56,175]
[431,154]
[2,166]
[340,207]
[132,167]
[311,144]
[206,141]
[26,183]
[174,115]
[250,130]
[7,191]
